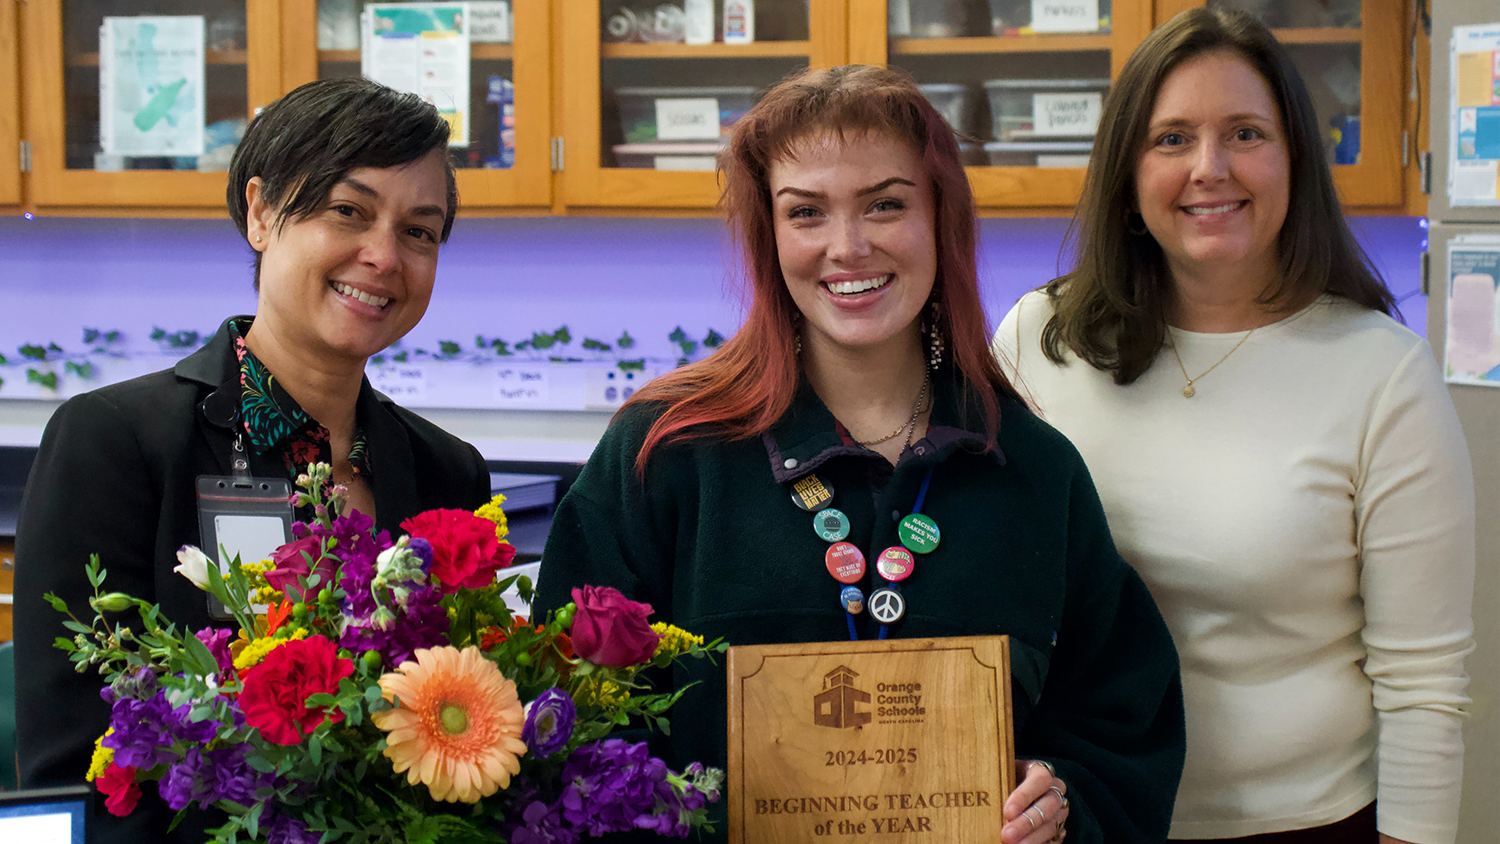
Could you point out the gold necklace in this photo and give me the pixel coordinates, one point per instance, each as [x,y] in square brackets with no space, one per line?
[916,412]
[1188,391]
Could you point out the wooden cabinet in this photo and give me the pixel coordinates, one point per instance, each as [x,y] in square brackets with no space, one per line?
[587,93]
[60,58]
[525,62]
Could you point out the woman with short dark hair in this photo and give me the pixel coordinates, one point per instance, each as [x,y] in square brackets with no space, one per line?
[862,370]
[1278,457]
[344,191]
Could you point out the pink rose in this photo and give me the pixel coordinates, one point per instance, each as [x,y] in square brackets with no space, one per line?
[610,629]
[291,562]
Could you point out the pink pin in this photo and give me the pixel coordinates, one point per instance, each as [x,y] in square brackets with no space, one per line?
[895,563]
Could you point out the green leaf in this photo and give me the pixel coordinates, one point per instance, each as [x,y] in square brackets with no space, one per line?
[400,357]
[63,644]
[625,341]
[57,603]
[111,336]
[713,339]
[53,347]
[46,379]
[378,360]
[595,345]
[158,333]
[32,351]
[3,361]
[90,335]
[315,749]
[448,348]
[75,626]
[199,659]
[541,340]
[501,347]
[562,335]
[637,365]
[677,335]
[82,370]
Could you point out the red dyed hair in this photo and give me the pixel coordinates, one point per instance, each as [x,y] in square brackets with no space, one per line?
[743,388]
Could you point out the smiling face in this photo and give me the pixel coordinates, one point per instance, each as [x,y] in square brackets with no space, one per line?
[855,238]
[1213,181]
[356,275]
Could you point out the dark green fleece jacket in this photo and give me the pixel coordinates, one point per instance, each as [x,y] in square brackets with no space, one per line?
[711,538]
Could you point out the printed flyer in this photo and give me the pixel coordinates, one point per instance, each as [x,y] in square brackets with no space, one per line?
[1474,152]
[422,48]
[1472,352]
[151,86]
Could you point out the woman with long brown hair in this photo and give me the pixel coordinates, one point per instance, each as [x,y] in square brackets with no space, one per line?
[742,496]
[1278,457]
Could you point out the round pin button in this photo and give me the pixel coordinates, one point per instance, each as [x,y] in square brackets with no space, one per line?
[812,493]
[852,599]
[895,563]
[845,562]
[887,606]
[831,524]
[919,533]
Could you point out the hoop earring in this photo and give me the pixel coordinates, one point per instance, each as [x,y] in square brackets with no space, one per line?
[1136,224]
[934,336]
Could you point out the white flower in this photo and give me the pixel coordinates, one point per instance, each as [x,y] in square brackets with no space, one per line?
[193,565]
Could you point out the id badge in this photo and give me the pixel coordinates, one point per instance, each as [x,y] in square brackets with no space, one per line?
[242,517]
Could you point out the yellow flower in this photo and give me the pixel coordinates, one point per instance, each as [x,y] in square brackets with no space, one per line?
[102,757]
[606,693]
[261,592]
[493,512]
[457,725]
[255,651]
[673,640]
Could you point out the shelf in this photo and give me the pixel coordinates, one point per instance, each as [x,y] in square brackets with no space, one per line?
[1319,35]
[210,57]
[759,49]
[482,52]
[1016,44]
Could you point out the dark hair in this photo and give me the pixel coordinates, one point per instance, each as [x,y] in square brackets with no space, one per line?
[744,387]
[306,142]
[1111,309]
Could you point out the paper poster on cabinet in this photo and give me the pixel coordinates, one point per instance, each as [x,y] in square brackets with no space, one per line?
[1472,352]
[1474,115]
[151,86]
[422,48]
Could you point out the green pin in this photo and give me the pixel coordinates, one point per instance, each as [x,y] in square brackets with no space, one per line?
[919,534]
[831,524]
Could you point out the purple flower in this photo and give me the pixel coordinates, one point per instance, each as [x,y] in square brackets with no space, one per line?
[542,824]
[549,723]
[423,551]
[420,622]
[210,776]
[217,642]
[285,829]
[146,730]
[608,785]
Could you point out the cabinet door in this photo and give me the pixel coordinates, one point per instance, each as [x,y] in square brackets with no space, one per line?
[645,114]
[65,123]
[1352,56]
[10,108]
[500,166]
[1025,94]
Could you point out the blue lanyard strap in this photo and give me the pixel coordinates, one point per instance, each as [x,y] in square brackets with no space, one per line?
[915,509]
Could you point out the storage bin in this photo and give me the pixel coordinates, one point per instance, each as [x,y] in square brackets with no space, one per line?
[638,107]
[1011,17]
[951,101]
[1028,108]
[1038,153]
[669,155]
[926,18]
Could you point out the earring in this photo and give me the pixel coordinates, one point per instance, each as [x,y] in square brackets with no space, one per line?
[797,344]
[934,337]
[257,238]
[1136,224]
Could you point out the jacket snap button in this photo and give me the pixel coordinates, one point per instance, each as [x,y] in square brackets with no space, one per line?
[895,515]
[790,463]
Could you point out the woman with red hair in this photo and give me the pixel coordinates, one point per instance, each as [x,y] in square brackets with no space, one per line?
[750,495]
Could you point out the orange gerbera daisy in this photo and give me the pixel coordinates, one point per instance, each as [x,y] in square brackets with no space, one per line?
[457,724]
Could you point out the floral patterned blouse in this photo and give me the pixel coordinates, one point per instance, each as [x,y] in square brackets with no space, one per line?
[274,423]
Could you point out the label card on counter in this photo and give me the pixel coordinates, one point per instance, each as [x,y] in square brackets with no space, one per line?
[1065,15]
[1072,114]
[403,382]
[687,119]
[522,386]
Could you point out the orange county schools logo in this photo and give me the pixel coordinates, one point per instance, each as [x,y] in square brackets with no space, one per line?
[834,706]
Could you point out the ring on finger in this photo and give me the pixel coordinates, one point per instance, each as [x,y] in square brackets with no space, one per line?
[1030,821]
[1060,796]
[1041,816]
[1045,764]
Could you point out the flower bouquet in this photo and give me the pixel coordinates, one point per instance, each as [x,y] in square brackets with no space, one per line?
[381,691]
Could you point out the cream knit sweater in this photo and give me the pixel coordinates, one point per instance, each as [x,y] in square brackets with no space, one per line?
[1306,525]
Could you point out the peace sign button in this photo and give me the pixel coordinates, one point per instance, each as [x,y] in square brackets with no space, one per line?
[886,605]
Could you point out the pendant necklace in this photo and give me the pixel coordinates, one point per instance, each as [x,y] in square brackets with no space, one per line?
[1189,391]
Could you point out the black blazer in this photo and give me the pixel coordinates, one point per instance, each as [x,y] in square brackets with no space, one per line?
[115,476]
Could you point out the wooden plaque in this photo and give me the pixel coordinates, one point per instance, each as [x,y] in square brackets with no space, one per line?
[900,740]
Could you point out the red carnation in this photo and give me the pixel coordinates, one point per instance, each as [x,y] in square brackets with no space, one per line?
[465,552]
[274,699]
[610,629]
[119,786]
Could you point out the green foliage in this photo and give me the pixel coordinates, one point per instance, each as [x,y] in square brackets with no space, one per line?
[637,365]
[448,349]
[595,345]
[32,351]
[625,341]
[713,339]
[46,379]
[82,370]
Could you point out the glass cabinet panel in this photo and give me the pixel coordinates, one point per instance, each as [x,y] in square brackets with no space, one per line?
[674,77]
[158,85]
[489,115]
[1324,40]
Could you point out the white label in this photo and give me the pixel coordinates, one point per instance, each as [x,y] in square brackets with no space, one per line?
[251,538]
[521,386]
[698,21]
[489,22]
[402,382]
[1474,181]
[692,119]
[1065,15]
[1062,160]
[1066,114]
[685,162]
